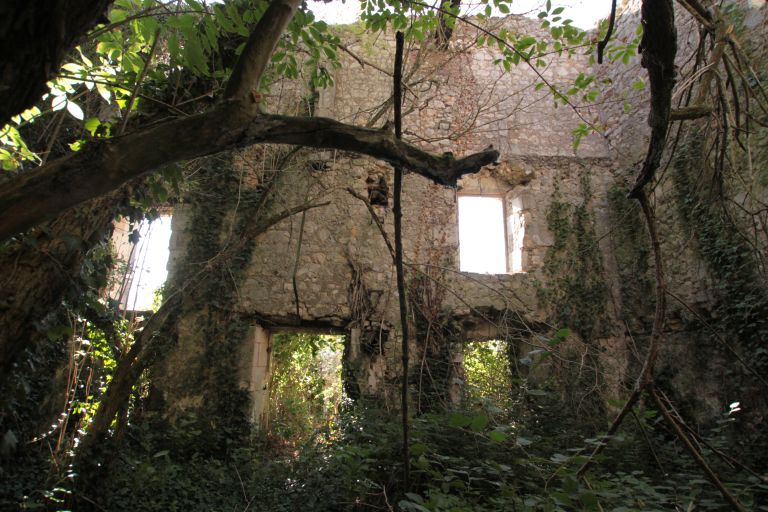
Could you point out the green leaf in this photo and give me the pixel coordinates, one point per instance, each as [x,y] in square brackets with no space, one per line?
[9,442]
[77,145]
[193,51]
[525,42]
[414,497]
[497,436]
[479,422]
[92,124]
[459,420]
[75,110]
[58,103]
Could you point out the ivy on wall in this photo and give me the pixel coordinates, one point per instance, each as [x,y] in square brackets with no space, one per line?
[212,374]
[742,302]
[575,292]
[631,252]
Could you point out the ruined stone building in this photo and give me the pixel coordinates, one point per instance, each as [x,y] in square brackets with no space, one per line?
[570,250]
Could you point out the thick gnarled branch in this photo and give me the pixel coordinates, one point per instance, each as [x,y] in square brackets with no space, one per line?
[35,196]
[658,48]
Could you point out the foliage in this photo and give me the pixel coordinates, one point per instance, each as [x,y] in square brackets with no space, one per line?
[157,59]
[305,385]
[50,399]
[576,295]
[512,452]
[524,458]
[488,376]
[741,308]
[632,251]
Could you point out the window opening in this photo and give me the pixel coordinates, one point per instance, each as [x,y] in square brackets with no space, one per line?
[148,262]
[482,239]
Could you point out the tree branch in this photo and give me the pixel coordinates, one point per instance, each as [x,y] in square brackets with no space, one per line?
[37,195]
[695,453]
[602,44]
[658,48]
[36,38]
[401,292]
[687,113]
[258,50]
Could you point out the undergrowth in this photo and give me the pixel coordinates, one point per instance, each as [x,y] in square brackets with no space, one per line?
[523,457]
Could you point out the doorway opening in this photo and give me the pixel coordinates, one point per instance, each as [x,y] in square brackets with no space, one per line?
[305,386]
[487,374]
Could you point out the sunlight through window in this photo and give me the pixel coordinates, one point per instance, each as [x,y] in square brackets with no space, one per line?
[516,233]
[148,263]
[482,244]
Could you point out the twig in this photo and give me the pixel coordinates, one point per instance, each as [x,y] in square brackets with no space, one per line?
[139,80]
[611,431]
[376,220]
[602,44]
[296,263]
[695,453]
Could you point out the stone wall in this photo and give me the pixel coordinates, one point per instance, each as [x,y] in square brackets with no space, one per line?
[330,268]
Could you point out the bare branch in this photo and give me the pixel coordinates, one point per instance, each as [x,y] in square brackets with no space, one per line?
[688,113]
[602,44]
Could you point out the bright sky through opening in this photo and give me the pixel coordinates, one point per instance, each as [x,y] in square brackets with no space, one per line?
[482,245]
[149,263]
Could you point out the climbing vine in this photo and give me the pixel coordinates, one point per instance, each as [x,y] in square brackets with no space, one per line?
[576,295]
[632,252]
[216,228]
[576,292]
[743,302]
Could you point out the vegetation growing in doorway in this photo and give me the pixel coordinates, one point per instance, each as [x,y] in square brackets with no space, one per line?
[305,386]
[487,374]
